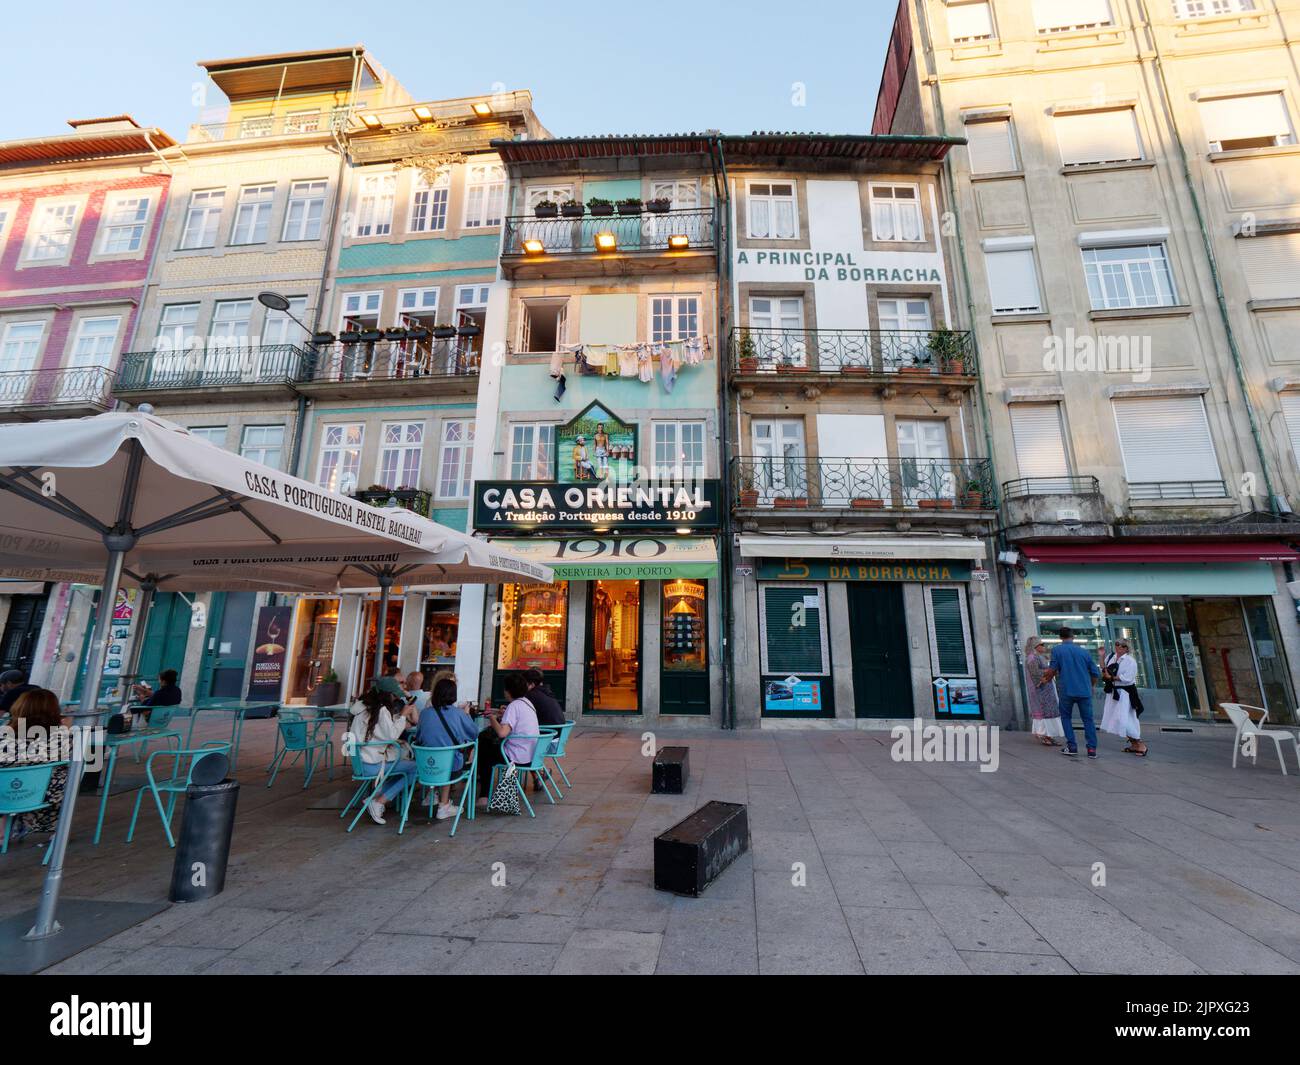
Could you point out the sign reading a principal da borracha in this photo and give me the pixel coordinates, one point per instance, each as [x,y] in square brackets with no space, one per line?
[553,505]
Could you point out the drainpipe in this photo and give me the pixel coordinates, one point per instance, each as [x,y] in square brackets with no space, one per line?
[1238,369]
[721,216]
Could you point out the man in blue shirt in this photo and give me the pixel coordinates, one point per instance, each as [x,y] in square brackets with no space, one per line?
[1076,673]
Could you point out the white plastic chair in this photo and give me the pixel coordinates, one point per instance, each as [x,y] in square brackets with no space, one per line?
[1246,727]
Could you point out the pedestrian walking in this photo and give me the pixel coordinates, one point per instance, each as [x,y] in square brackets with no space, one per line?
[1044,703]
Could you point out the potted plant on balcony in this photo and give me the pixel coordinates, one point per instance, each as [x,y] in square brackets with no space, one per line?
[972,498]
[948,348]
[572,209]
[920,362]
[350,336]
[748,496]
[546,209]
[394,332]
[631,205]
[326,692]
[444,332]
[790,502]
[788,365]
[601,208]
[936,503]
[747,354]
[866,503]
[659,205]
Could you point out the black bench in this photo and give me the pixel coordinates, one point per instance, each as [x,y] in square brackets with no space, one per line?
[694,852]
[672,765]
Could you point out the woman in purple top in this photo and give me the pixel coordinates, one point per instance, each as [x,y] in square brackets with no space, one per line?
[500,742]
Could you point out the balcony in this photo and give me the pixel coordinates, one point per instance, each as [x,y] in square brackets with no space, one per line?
[667,241]
[69,391]
[448,366]
[412,499]
[945,357]
[212,372]
[1139,491]
[927,487]
[306,123]
[1039,508]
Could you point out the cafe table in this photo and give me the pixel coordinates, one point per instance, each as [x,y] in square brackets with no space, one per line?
[114,743]
[239,711]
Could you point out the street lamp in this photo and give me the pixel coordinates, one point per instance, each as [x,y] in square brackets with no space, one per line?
[275,302]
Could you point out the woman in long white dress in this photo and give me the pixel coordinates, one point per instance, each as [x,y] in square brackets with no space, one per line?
[1122,703]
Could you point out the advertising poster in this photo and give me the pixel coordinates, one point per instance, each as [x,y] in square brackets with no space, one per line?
[957,697]
[269,653]
[793,695]
[595,446]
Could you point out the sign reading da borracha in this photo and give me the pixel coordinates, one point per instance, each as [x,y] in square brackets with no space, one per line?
[552,505]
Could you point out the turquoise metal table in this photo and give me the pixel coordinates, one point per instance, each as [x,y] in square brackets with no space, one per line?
[239,711]
[113,744]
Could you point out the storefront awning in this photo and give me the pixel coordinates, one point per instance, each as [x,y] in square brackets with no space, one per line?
[21,587]
[899,547]
[1166,553]
[647,558]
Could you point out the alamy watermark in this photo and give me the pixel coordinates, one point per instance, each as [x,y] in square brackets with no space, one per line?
[937,742]
[1070,352]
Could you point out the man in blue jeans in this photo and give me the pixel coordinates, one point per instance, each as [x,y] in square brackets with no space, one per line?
[1076,673]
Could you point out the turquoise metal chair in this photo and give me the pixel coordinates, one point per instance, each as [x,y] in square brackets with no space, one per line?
[538,765]
[22,791]
[369,776]
[158,726]
[174,785]
[114,742]
[433,769]
[300,735]
[558,749]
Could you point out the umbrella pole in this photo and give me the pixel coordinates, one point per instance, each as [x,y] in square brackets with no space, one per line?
[381,620]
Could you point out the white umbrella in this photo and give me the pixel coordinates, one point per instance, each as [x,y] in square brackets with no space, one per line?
[160,502]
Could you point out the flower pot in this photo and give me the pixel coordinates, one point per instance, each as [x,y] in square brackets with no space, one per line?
[853,367]
[790,502]
[953,366]
[867,503]
[658,206]
[789,367]
[631,208]
[936,504]
[602,210]
[748,365]
[915,370]
[546,212]
[325,694]
[573,212]
[973,500]
[749,497]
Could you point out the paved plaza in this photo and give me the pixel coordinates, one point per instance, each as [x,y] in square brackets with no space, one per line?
[901,868]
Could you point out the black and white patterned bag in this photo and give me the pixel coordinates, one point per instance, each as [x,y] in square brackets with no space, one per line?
[505,796]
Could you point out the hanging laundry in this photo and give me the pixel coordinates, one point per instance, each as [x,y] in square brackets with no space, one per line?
[667,371]
[694,350]
[560,387]
[627,366]
[611,362]
[645,367]
[557,364]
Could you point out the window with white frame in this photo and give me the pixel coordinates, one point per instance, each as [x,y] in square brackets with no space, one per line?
[991,146]
[471,306]
[95,341]
[1061,16]
[532,451]
[19,345]
[400,451]
[52,227]
[1191,9]
[213,434]
[1098,136]
[905,326]
[279,327]
[1252,120]
[1136,276]
[772,211]
[202,218]
[1167,447]
[361,308]
[302,121]
[375,205]
[177,327]
[264,444]
[896,213]
[421,302]
[776,312]
[123,225]
[681,195]
[674,318]
[455,459]
[429,202]
[230,322]
[253,214]
[679,450]
[485,195]
[340,457]
[969,22]
[302,220]
[1013,280]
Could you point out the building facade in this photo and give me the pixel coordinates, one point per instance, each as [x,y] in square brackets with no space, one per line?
[1129,211]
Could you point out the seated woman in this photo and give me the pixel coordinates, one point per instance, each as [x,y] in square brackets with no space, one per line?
[168,693]
[496,745]
[377,717]
[33,717]
[444,724]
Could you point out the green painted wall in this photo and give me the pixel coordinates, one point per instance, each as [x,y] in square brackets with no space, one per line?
[622,189]
[531,388]
[474,249]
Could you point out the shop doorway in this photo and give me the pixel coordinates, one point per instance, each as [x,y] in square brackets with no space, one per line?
[167,631]
[312,652]
[1227,659]
[370,669]
[22,630]
[684,671]
[613,682]
[225,655]
[441,629]
[533,634]
[882,673]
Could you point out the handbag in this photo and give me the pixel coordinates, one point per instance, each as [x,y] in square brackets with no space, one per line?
[505,798]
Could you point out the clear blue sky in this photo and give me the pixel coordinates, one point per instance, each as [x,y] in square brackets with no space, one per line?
[593,68]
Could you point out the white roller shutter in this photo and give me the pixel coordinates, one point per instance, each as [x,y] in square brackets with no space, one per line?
[1234,118]
[1271,265]
[989,144]
[1166,439]
[1098,136]
[1013,281]
[1052,15]
[970,22]
[1040,444]
[1291,411]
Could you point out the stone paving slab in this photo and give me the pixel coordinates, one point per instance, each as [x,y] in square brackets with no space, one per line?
[857,864]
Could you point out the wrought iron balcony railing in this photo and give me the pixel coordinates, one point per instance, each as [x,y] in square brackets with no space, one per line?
[1051,486]
[630,232]
[849,351]
[83,387]
[394,360]
[800,482]
[413,499]
[298,123]
[214,365]
[1138,490]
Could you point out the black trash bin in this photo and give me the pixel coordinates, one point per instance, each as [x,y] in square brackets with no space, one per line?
[207,824]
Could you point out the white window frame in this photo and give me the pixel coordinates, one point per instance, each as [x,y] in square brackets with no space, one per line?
[305,195]
[401,449]
[890,205]
[682,305]
[422,307]
[1280,139]
[293,121]
[1020,249]
[108,226]
[281,323]
[1119,437]
[208,432]
[992,34]
[188,329]
[486,183]
[679,469]
[538,448]
[1063,118]
[1199,9]
[1128,271]
[340,473]
[1007,129]
[104,358]
[6,338]
[253,213]
[475,304]
[464,448]
[436,203]
[38,235]
[256,452]
[1069,27]
[363,298]
[376,199]
[8,212]
[201,206]
[771,200]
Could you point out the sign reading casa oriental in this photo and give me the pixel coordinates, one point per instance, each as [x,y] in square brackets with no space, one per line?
[527,505]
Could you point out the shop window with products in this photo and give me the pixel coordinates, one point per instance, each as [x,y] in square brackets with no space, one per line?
[438,644]
[684,676]
[795,651]
[532,633]
[315,624]
[613,676]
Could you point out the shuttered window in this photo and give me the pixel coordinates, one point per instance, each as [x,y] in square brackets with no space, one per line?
[1166,441]
[793,621]
[950,645]
[1256,120]
[1098,136]
[970,22]
[1271,265]
[990,147]
[1291,411]
[1013,281]
[1053,16]
[1040,445]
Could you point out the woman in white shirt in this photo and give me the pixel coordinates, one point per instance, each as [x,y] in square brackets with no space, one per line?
[378,717]
[1122,702]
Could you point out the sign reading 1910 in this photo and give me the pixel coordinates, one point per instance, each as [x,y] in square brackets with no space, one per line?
[552,505]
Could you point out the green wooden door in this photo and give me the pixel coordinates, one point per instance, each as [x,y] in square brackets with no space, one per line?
[882,676]
[225,652]
[167,631]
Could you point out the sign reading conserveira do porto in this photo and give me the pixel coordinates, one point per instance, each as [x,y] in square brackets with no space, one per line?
[530,505]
